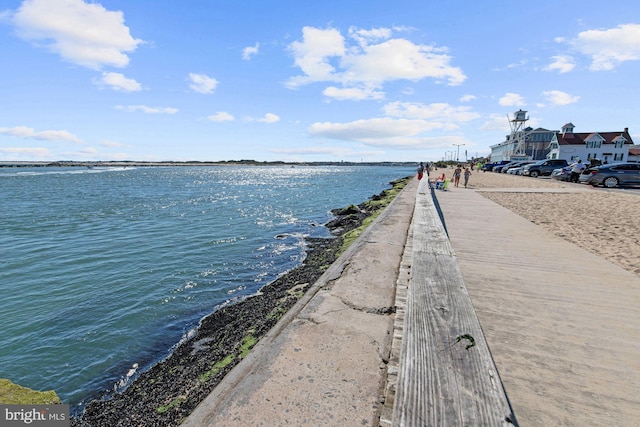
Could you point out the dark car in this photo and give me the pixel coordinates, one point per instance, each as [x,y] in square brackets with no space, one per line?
[543,167]
[490,166]
[512,165]
[613,175]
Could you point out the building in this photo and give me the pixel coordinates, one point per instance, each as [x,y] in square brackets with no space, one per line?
[537,145]
[609,147]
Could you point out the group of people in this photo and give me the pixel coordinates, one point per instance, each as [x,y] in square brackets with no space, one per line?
[457,174]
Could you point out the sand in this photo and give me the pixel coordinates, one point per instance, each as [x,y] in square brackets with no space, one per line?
[603,221]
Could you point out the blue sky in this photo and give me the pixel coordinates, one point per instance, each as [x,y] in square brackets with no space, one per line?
[307,81]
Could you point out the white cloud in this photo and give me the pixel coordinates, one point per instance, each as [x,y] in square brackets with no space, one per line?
[313,53]
[444,114]
[608,48]
[557,97]
[561,63]
[324,55]
[119,82]
[202,83]
[112,144]
[400,59]
[221,116]
[82,33]
[496,122]
[511,99]
[467,98]
[44,135]
[352,93]
[269,118]
[390,132]
[148,110]
[250,51]
[365,37]
[26,152]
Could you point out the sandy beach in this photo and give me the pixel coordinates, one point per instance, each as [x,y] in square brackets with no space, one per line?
[603,221]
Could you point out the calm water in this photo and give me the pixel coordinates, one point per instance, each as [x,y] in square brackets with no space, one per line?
[103,271]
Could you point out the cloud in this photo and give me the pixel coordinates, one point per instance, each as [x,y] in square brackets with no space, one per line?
[441,115]
[112,144]
[557,97]
[268,118]
[511,99]
[352,93]
[82,33]
[609,48]
[202,83]
[370,60]
[337,152]
[45,135]
[250,51]
[119,82]
[377,132]
[221,116]
[467,98]
[496,122]
[148,110]
[26,152]
[404,126]
[561,63]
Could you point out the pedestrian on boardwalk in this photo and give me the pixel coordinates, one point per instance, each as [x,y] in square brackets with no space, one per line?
[467,174]
[456,175]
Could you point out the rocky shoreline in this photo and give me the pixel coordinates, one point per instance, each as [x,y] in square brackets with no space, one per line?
[167,393]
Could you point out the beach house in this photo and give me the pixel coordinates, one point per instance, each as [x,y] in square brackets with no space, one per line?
[609,147]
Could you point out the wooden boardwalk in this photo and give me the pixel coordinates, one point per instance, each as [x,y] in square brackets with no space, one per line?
[563,324]
[445,373]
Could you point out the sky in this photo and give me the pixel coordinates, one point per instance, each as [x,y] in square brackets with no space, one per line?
[285,80]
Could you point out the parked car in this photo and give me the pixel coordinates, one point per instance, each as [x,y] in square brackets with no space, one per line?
[543,167]
[513,165]
[562,174]
[499,168]
[515,171]
[613,175]
[490,166]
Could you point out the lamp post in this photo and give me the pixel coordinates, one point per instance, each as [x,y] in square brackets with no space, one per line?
[458,155]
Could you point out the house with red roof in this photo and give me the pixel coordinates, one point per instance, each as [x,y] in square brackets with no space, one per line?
[609,147]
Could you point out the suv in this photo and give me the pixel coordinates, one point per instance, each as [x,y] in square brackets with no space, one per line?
[543,167]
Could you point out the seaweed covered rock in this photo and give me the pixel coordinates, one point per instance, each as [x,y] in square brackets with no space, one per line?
[14,394]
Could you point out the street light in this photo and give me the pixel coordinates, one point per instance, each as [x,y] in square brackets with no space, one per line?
[458,156]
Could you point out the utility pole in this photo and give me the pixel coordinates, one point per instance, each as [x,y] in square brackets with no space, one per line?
[458,156]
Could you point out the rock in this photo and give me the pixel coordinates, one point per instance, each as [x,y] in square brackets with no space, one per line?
[14,394]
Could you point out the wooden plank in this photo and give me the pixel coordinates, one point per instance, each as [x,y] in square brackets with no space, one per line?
[446,374]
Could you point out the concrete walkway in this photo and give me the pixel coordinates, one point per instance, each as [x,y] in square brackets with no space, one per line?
[563,324]
[325,363]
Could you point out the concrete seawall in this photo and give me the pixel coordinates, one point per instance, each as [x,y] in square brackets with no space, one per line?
[565,352]
[325,362]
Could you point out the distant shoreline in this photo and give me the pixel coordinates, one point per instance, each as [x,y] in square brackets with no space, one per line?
[135,163]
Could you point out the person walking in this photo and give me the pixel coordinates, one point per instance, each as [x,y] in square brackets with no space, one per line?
[456,175]
[467,174]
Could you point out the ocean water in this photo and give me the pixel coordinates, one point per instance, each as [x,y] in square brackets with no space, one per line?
[103,271]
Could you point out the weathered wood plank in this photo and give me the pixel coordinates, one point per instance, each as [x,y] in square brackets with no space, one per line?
[446,374]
